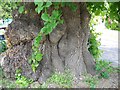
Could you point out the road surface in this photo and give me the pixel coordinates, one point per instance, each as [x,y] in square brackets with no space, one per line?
[110,45]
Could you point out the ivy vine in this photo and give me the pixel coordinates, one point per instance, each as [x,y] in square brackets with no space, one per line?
[50,22]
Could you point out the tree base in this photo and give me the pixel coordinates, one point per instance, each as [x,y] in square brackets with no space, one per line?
[65,48]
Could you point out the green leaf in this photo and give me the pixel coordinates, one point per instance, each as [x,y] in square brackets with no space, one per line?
[45,17]
[55,14]
[52,25]
[38,9]
[48,4]
[46,30]
[98,68]
[36,2]
[33,67]
[105,75]
[37,41]
[36,64]
[21,9]
[38,56]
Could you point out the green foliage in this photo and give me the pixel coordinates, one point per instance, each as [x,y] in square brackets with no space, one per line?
[109,11]
[48,27]
[93,42]
[39,7]
[6,8]
[36,54]
[64,80]
[36,58]
[91,80]
[50,22]
[22,81]
[103,68]
[6,83]
[21,9]
[113,16]
[100,9]
[3,46]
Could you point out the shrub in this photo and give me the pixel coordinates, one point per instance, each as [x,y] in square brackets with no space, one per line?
[103,68]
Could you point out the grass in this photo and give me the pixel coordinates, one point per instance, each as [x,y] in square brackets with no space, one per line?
[6,83]
[62,80]
[91,80]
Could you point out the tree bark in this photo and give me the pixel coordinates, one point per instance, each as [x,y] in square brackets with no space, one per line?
[65,48]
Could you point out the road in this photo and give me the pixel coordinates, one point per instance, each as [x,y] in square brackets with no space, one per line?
[110,45]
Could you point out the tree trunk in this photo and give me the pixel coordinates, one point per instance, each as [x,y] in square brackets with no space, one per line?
[65,48]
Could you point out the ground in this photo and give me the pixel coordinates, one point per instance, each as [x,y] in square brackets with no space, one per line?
[112,82]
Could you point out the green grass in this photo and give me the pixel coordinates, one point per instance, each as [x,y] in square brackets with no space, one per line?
[63,80]
[6,83]
[91,80]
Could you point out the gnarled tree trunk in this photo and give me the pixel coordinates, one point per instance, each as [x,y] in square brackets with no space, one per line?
[64,48]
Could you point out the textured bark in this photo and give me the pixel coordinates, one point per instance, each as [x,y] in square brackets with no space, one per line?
[64,48]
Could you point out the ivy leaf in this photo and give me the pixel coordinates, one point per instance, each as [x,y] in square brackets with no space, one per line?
[55,14]
[33,67]
[97,68]
[38,56]
[105,75]
[21,9]
[45,17]
[52,25]
[46,30]
[43,30]
[36,2]
[38,9]
[48,4]
[36,64]
[37,41]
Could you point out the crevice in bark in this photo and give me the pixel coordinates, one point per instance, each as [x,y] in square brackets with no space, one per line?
[58,47]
